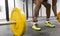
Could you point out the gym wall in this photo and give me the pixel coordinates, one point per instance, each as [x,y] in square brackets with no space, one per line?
[19,3]
[2,9]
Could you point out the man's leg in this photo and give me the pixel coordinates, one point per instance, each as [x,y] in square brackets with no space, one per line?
[54,8]
[36,13]
[48,6]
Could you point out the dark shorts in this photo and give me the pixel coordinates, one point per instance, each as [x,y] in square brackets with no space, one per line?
[43,0]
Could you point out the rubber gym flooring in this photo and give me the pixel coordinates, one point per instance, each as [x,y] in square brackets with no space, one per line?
[46,31]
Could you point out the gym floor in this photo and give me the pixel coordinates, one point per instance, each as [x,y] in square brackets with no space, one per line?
[46,31]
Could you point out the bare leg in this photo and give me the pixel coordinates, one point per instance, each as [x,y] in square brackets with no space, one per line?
[36,9]
[47,6]
[54,7]
[36,13]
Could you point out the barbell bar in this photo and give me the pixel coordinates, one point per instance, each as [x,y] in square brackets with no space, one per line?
[10,22]
[14,22]
[7,22]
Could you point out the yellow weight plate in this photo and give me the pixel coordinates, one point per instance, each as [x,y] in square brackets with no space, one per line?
[19,28]
[59,17]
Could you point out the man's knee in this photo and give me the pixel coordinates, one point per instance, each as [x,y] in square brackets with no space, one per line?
[48,6]
[54,2]
[38,2]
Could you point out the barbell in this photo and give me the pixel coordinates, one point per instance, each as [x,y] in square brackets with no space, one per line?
[18,15]
[18,21]
[58,14]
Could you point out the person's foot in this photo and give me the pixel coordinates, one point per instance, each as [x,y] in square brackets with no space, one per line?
[35,19]
[50,25]
[35,27]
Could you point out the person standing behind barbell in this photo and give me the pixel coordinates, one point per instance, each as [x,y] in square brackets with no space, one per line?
[47,6]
